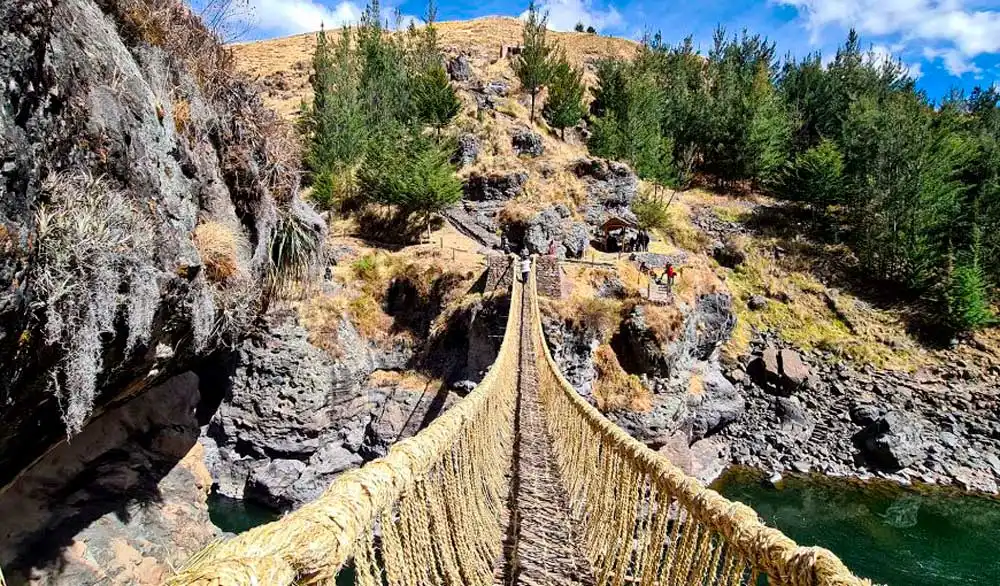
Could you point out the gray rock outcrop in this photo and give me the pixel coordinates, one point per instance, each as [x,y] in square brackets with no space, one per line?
[893,441]
[293,414]
[571,237]
[466,149]
[611,188]
[123,503]
[495,186]
[126,303]
[460,68]
[527,142]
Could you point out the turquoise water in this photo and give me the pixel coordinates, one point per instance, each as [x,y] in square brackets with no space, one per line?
[882,532]
[237,516]
[888,534]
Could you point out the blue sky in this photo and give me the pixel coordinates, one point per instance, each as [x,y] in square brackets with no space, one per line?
[944,43]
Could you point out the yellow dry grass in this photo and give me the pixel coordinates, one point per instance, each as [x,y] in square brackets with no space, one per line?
[290,57]
[407,380]
[182,115]
[218,246]
[615,389]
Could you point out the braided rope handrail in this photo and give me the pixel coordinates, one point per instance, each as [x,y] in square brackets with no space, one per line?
[643,516]
[429,512]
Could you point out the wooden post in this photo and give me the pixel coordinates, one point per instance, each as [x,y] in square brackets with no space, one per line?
[442,242]
[452,254]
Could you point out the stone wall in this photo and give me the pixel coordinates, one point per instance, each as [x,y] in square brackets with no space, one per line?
[499,273]
[549,275]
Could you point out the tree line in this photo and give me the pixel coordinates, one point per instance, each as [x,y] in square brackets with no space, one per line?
[380,101]
[913,186]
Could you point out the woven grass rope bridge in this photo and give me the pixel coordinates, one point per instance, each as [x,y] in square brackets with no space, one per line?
[522,482]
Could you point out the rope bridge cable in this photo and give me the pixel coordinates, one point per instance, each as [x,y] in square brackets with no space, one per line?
[430,512]
[646,522]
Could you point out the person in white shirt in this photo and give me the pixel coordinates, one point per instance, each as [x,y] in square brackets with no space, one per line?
[525,269]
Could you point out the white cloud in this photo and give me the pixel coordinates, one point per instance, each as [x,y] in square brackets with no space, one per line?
[565,14]
[954,62]
[881,53]
[299,16]
[955,31]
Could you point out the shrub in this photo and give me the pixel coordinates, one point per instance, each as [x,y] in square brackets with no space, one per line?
[598,317]
[218,246]
[296,247]
[651,212]
[92,243]
[967,298]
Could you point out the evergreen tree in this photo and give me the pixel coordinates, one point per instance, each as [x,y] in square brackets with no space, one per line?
[816,176]
[533,66]
[434,99]
[564,106]
[335,123]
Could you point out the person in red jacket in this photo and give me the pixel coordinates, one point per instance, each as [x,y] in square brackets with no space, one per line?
[669,273]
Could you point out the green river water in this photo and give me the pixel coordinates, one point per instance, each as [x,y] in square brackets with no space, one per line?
[894,536]
[891,535]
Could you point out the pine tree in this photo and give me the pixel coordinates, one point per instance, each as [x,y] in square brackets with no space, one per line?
[434,99]
[564,106]
[533,66]
[336,122]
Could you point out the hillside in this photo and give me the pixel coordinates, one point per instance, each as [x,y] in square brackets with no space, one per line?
[282,65]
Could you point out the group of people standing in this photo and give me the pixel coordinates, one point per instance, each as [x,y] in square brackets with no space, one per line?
[628,241]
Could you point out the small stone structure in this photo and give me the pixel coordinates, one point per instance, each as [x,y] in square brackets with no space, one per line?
[510,50]
[549,276]
[499,272]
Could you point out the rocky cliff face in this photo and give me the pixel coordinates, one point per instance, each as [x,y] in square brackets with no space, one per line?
[120,504]
[123,133]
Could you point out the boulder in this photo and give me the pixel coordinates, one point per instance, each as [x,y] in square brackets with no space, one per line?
[527,142]
[795,420]
[717,405]
[729,254]
[535,234]
[495,186]
[611,188]
[460,68]
[466,149]
[779,372]
[795,373]
[496,87]
[704,460]
[892,442]
[757,302]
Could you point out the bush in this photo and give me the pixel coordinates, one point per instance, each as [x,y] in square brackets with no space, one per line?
[967,298]
[296,247]
[651,212]
[218,247]
[92,243]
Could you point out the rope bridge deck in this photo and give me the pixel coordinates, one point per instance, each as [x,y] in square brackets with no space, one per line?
[582,503]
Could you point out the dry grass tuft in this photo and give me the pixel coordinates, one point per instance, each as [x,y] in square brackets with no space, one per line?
[219,248]
[665,322]
[615,389]
[182,116]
